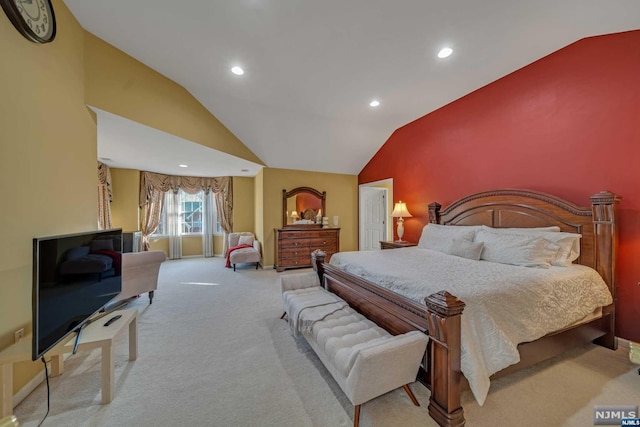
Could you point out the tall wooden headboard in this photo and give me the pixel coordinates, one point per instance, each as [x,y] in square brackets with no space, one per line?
[525,208]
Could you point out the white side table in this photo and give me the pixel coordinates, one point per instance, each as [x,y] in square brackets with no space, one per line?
[94,335]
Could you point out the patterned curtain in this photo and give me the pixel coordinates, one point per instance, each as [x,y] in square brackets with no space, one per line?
[152,184]
[224,205]
[105,197]
[151,212]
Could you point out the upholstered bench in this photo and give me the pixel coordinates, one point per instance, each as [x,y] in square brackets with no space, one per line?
[365,360]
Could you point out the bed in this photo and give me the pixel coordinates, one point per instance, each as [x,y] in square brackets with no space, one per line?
[440,314]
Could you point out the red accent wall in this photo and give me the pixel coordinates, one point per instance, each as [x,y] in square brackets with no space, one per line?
[567,124]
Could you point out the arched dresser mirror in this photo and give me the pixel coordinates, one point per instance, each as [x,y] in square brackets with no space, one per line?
[302,231]
[301,206]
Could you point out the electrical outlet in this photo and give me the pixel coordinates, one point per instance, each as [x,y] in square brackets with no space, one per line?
[19,334]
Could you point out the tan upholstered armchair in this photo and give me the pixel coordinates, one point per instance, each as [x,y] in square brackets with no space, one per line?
[241,255]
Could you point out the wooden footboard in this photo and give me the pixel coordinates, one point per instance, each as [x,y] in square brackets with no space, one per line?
[444,311]
[439,318]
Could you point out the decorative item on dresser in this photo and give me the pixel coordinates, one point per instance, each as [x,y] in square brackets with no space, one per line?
[294,245]
[395,245]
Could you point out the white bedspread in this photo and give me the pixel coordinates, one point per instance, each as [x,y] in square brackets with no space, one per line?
[505,304]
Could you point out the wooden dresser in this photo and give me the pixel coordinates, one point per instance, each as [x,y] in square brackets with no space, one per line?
[294,246]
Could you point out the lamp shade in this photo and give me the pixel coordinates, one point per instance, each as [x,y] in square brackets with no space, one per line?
[400,210]
[294,215]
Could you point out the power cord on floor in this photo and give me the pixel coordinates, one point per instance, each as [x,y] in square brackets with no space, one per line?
[46,376]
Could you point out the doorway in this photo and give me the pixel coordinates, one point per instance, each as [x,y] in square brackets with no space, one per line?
[374,213]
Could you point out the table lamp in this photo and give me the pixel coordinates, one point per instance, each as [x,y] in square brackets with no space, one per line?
[400,211]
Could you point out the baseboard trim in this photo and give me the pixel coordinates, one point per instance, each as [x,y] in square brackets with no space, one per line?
[28,388]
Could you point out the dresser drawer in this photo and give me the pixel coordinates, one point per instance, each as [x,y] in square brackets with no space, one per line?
[300,261]
[293,243]
[295,252]
[323,243]
[298,235]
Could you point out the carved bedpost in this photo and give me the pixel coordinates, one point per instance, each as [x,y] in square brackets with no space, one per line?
[443,316]
[317,259]
[605,214]
[434,212]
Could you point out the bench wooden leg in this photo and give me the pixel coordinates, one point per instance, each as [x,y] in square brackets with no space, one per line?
[356,416]
[411,395]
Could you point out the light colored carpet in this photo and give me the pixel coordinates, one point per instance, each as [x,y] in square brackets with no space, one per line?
[213,352]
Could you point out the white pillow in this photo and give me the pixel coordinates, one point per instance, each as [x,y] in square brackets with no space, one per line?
[515,249]
[245,240]
[569,247]
[439,237]
[569,242]
[465,249]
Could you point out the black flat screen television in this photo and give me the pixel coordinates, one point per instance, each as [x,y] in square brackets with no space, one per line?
[74,276]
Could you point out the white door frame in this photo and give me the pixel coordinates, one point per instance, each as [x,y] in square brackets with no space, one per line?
[389,225]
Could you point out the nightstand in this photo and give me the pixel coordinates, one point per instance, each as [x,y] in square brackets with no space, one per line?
[395,245]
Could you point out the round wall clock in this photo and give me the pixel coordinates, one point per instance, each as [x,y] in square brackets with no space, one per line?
[34,19]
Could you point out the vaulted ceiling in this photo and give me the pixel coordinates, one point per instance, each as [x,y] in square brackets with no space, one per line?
[312,67]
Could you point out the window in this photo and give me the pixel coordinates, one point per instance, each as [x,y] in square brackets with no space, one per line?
[191,208]
[191,212]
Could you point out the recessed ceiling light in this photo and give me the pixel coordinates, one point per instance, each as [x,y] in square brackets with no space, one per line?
[238,71]
[444,52]
[374,103]
[184,166]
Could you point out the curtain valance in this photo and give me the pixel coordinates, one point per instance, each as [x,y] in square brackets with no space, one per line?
[154,185]
[151,181]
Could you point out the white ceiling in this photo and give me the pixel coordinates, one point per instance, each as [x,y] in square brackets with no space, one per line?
[127,144]
[313,66]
